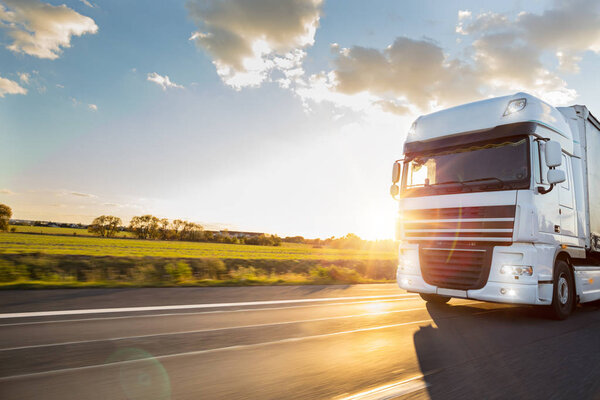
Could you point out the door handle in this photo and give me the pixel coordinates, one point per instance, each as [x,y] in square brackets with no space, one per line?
[557,228]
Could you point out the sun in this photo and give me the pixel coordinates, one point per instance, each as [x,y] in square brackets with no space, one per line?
[378,221]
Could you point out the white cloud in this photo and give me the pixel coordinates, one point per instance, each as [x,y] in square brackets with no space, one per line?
[249,39]
[79,194]
[42,30]
[407,76]
[24,77]
[93,107]
[504,55]
[564,31]
[87,3]
[463,14]
[10,87]
[163,81]
[6,191]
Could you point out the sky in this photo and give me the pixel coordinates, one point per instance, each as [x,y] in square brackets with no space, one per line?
[279,116]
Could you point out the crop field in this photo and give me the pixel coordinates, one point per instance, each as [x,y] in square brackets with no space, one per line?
[47,230]
[15,243]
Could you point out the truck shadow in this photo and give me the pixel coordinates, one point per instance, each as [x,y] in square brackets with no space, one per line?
[507,352]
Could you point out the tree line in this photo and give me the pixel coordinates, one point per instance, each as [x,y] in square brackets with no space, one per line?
[349,241]
[151,227]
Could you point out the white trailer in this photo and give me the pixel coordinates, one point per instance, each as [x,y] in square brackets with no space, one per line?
[500,201]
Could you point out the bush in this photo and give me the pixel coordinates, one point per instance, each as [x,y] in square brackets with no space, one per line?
[145,273]
[179,272]
[248,274]
[215,268]
[334,273]
[9,272]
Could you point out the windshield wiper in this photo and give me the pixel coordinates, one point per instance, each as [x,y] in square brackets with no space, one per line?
[453,182]
[502,183]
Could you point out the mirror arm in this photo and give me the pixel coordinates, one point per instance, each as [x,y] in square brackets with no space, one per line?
[542,190]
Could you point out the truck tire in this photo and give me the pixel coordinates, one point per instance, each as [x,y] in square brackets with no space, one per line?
[434,298]
[563,291]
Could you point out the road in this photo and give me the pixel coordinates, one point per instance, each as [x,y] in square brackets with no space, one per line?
[307,342]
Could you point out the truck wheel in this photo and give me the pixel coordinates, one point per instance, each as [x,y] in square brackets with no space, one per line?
[563,295]
[434,298]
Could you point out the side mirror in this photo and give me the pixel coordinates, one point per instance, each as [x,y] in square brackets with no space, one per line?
[556,176]
[553,154]
[396,172]
[394,190]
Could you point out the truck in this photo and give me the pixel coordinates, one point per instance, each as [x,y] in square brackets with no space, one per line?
[499,201]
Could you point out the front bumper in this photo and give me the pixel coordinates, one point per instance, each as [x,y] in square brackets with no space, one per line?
[498,288]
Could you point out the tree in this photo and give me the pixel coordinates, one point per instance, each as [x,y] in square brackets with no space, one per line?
[164,230]
[5,214]
[177,225]
[191,231]
[105,225]
[145,226]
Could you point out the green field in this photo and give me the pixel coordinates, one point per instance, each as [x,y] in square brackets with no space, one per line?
[15,243]
[60,231]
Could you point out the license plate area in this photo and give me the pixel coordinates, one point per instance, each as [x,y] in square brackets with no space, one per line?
[452,292]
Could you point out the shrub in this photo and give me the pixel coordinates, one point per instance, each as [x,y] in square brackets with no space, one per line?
[247,274]
[145,273]
[179,272]
[215,268]
[10,272]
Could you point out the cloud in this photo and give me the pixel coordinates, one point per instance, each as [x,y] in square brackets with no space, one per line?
[87,3]
[79,194]
[112,205]
[163,81]
[93,107]
[248,39]
[407,76]
[503,54]
[564,31]
[463,14]
[42,30]
[24,77]
[10,87]
[6,191]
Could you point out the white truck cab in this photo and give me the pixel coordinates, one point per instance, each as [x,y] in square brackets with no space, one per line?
[500,201]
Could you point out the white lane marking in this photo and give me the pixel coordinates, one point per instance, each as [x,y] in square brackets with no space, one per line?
[391,390]
[55,321]
[216,350]
[214,329]
[188,306]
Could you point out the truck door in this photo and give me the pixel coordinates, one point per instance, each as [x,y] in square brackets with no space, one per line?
[565,200]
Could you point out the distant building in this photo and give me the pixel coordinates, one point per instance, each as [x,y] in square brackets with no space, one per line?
[238,234]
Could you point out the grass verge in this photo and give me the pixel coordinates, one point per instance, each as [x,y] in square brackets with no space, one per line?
[45,271]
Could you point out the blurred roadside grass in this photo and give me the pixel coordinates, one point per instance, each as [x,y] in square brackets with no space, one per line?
[39,270]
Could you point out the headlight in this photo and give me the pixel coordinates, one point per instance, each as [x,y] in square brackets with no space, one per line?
[515,106]
[516,270]
[408,260]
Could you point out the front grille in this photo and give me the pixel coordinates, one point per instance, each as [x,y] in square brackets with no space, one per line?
[484,225]
[462,212]
[456,268]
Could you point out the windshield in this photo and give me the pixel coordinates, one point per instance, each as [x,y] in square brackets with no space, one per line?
[498,165]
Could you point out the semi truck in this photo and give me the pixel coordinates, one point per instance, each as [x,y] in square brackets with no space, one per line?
[499,201]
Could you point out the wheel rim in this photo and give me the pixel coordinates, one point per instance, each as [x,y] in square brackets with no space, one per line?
[563,289]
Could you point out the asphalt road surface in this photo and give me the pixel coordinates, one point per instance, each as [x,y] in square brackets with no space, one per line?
[310,342]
